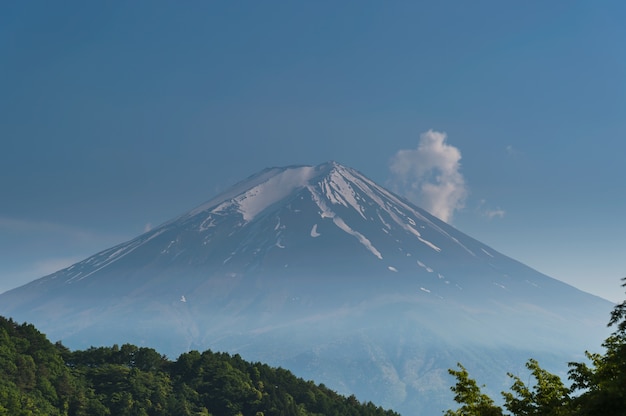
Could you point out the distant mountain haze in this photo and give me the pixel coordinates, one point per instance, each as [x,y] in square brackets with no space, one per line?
[320,270]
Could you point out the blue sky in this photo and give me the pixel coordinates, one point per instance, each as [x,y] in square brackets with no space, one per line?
[115,116]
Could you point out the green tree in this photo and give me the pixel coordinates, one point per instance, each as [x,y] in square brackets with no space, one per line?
[603,382]
[547,397]
[598,387]
[468,394]
[41,378]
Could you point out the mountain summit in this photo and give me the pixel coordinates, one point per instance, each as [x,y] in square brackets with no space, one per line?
[323,271]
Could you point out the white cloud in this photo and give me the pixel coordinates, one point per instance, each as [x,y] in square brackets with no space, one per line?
[513,151]
[147,227]
[490,213]
[510,150]
[493,213]
[430,175]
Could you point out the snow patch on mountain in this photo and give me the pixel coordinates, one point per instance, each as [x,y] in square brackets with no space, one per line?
[258,192]
[273,190]
[428,269]
[362,239]
[112,255]
[339,191]
[327,212]
[209,222]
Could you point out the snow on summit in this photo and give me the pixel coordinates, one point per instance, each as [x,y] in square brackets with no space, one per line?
[352,202]
[290,208]
[273,190]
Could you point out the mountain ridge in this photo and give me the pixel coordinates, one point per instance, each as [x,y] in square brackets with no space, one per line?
[292,265]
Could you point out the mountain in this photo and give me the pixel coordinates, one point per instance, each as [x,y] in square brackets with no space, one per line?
[320,270]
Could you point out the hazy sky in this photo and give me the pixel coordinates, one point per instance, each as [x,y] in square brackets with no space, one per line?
[507,119]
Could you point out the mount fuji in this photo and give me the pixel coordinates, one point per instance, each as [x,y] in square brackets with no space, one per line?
[320,270]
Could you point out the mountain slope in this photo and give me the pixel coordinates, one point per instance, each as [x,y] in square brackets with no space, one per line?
[321,270]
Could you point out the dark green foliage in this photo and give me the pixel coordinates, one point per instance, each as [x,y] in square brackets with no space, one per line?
[33,377]
[598,387]
[547,397]
[604,381]
[467,392]
[41,378]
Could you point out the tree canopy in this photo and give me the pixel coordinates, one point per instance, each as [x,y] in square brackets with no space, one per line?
[598,387]
[38,377]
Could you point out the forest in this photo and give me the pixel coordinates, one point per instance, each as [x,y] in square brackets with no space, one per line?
[38,377]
